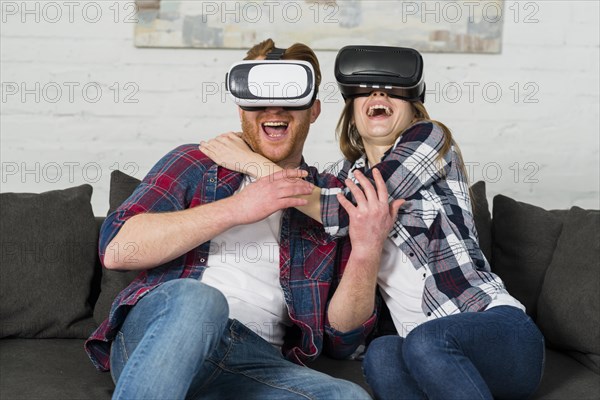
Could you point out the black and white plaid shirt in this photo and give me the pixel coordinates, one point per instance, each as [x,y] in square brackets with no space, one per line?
[435,228]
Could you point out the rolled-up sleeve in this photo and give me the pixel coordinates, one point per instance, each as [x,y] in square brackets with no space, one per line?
[162,190]
[342,344]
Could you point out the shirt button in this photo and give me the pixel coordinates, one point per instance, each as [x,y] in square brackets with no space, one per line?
[395,235]
[212,180]
[411,254]
[202,260]
[424,275]
[429,314]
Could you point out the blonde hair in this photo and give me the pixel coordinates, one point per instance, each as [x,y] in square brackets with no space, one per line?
[352,146]
[297,51]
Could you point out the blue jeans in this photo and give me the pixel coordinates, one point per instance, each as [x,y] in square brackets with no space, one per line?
[177,342]
[497,353]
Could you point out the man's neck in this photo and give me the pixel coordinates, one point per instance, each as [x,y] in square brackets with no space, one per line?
[290,164]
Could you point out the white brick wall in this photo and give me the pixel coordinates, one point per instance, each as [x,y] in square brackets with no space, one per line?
[544,152]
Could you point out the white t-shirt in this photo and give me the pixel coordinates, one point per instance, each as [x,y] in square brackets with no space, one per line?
[243,263]
[402,288]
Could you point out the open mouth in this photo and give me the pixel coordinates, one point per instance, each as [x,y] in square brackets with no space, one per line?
[379,110]
[275,129]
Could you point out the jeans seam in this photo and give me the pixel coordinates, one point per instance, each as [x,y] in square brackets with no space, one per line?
[447,344]
[215,372]
[235,337]
[122,340]
[216,363]
[265,382]
[151,336]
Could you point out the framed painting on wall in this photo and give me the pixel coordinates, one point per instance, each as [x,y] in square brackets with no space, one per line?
[429,26]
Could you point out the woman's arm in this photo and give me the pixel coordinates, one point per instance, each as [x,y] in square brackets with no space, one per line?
[415,161]
[370,223]
[412,164]
[230,151]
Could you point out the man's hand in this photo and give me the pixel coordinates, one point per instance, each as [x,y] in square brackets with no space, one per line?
[162,237]
[269,194]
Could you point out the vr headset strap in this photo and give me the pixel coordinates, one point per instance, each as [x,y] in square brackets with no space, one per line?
[275,54]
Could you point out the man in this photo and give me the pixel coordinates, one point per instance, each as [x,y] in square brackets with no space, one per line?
[265,290]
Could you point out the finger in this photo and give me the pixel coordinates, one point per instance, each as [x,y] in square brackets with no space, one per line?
[395,207]
[358,194]
[226,134]
[294,173]
[234,136]
[291,174]
[366,185]
[210,154]
[289,202]
[204,147]
[297,189]
[382,192]
[344,202]
[222,140]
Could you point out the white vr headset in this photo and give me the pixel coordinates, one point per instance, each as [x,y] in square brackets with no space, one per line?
[258,84]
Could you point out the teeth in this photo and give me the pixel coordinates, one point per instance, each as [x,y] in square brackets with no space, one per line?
[372,109]
[275,123]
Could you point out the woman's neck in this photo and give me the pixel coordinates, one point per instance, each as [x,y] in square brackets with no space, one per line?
[375,152]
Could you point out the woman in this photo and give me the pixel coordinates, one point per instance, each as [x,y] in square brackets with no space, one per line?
[460,333]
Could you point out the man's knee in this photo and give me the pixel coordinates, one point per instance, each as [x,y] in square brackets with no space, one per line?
[195,301]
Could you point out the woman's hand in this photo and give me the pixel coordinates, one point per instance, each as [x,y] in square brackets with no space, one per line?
[370,222]
[373,217]
[230,151]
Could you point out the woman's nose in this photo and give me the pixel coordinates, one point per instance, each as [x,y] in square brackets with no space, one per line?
[378,93]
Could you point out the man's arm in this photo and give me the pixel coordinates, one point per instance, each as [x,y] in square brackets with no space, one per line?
[230,151]
[161,237]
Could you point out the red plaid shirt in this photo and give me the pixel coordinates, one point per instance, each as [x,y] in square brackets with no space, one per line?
[311,261]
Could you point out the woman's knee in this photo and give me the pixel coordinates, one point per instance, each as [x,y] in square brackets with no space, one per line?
[382,353]
[427,341]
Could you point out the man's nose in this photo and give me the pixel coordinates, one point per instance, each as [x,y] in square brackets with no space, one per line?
[274,110]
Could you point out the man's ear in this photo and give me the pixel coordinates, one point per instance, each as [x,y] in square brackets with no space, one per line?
[315,111]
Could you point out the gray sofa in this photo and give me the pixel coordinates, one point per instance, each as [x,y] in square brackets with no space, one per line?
[54,291]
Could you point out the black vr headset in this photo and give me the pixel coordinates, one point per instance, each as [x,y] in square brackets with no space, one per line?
[398,71]
[257,84]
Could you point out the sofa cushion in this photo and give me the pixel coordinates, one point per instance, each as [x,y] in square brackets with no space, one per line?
[569,304]
[48,255]
[565,378]
[121,187]
[483,218]
[350,370]
[524,237]
[50,369]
